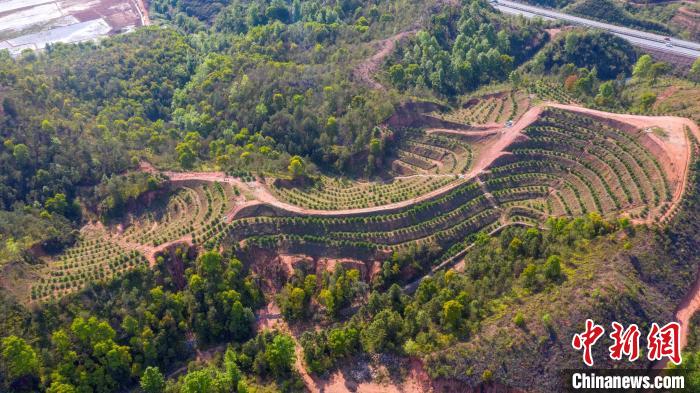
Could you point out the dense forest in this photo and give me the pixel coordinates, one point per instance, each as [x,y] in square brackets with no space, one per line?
[460,52]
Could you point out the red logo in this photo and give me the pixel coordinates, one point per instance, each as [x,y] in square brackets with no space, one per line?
[586,340]
[626,342]
[665,342]
[662,342]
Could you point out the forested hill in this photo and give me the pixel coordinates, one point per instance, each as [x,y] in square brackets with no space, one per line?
[256,84]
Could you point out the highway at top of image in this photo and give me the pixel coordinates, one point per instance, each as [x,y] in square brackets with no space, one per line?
[637,37]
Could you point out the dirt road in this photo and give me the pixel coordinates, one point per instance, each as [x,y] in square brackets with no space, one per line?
[677,150]
[143,12]
[262,194]
[366,70]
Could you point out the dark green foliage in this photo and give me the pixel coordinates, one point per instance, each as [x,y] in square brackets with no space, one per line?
[268,357]
[339,290]
[88,108]
[114,193]
[334,293]
[218,293]
[416,258]
[295,298]
[450,306]
[270,352]
[19,363]
[152,381]
[106,364]
[609,55]
[136,324]
[280,354]
[22,229]
[324,349]
[383,333]
[180,10]
[463,50]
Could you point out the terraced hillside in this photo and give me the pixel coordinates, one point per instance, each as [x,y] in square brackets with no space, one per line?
[193,213]
[94,258]
[550,92]
[421,162]
[496,108]
[429,153]
[571,164]
[328,193]
[556,160]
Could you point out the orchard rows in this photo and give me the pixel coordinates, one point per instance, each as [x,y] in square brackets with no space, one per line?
[497,108]
[566,164]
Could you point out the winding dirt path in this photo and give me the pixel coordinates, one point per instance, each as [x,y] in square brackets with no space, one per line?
[262,194]
[270,317]
[677,149]
[143,12]
[689,305]
[366,70]
[665,95]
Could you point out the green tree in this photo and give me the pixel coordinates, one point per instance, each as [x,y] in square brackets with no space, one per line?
[694,73]
[642,68]
[152,380]
[547,321]
[57,204]
[209,265]
[375,147]
[515,78]
[278,11]
[18,358]
[691,366]
[342,342]
[188,150]
[332,125]
[606,93]
[200,381]
[552,268]
[296,167]
[452,313]
[383,333]
[658,69]
[21,154]
[232,371]
[58,387]
[529,276]
[310,285]
[646,100]
[519,320]
[293,302]
[397,75]
[280,354]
